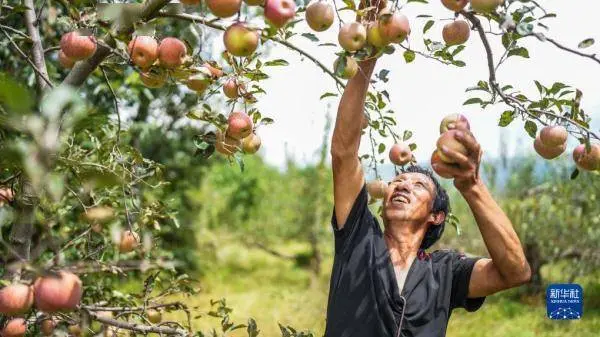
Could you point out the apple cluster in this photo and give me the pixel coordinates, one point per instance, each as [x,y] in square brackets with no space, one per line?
[60,292]
[551,142]
[239,135]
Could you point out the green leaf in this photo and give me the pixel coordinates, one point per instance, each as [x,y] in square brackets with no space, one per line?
[531,128]
[459,63]
[328,94]
[381,148]
[409,56]
[586,43]
[311,37]
[428,26]
[473,100]
[406,136]
[506,118]
[520,51]
[539,86]
[15,96]
[412,146]
[383,75]
[278,62]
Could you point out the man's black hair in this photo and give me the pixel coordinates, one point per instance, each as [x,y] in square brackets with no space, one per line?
[440,204]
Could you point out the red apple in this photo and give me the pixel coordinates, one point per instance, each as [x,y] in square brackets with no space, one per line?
[239,125]
[374,36]
[377,189]
[436,160]
[77,47]
[350,69]
[400,154]
[589,161]
[61,292]
[129,241]
[352,36]
[226,145]
[548,152]
[153,79]
[394,27]
[64,61]
[240,40]
[554,135]
[15,298]
[251,144]
[224,8]
[319,16]
[171,52]
[456,32]
[16,327]
[232,88]
[279,12]
[448,140]
[454,121]
[455,5]
[485,6]
[143,51]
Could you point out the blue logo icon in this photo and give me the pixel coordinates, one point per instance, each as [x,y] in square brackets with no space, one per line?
[564,301]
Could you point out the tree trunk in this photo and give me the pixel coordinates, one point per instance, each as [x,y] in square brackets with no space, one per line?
[534,257]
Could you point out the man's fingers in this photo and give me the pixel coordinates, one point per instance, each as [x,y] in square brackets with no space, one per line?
[457,157]
[469,141]
[449,169]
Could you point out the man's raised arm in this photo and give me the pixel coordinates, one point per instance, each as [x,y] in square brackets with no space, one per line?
[347,171]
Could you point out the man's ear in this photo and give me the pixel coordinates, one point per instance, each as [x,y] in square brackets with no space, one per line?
[437,218]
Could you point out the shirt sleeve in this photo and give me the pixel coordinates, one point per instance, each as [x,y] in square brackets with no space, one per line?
[355,223]
[462,266]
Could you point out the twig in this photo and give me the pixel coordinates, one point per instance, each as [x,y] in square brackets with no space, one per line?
[593,57]
[35,68]
[51,49]
[37,49]
[112,91]
[132,309]
[145,329]
[425,55]
[16,31]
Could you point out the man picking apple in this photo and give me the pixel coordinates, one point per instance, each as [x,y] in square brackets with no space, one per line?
[383,283]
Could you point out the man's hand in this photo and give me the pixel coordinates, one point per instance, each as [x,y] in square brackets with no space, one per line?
[466,168]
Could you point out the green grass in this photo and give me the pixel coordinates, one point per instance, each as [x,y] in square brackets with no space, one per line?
[272,290]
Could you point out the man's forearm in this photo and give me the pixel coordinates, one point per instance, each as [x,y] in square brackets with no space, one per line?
[347,131]
[498,233]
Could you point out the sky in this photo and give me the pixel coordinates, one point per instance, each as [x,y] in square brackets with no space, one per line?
[423,92]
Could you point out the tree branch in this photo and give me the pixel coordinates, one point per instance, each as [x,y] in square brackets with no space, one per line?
[31,63]
[510,100]
[83,69]
[205,22]
[540,36]
[145,329]
[37,49]
[132,309]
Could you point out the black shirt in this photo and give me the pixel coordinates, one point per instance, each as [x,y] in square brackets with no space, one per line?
[364,299]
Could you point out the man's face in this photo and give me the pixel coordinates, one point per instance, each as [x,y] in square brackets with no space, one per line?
[409,197]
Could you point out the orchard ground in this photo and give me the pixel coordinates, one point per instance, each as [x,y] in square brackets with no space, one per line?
[270,290]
